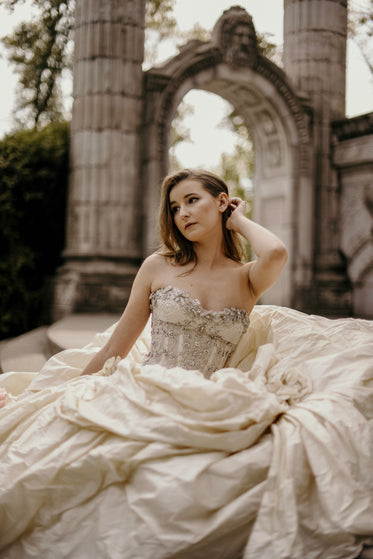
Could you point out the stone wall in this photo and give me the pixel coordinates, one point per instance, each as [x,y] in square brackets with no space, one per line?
[353,157]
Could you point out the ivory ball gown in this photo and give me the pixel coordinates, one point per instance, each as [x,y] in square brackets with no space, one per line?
[214,438]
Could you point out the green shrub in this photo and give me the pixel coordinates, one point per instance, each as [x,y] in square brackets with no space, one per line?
[33,189]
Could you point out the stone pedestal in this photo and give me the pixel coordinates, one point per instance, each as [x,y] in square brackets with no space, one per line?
[103,245]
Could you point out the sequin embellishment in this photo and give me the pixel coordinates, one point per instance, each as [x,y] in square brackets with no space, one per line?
[186,335]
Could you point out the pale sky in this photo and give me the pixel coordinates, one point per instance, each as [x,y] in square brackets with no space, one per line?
[267,16]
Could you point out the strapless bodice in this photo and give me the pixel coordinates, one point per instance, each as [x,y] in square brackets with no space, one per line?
[184,334]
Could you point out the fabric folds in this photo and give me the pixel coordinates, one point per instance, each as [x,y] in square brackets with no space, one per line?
[270,457]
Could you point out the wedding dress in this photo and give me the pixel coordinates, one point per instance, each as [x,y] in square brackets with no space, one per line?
[220,435]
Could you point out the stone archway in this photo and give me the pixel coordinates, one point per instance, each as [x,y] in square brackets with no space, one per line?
[231,66]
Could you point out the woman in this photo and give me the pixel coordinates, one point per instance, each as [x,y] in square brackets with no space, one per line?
[201,256]
[215,438]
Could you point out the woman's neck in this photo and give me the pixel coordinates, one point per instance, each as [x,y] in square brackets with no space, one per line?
[210,254]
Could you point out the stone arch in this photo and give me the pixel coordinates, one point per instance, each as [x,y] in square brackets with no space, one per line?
[231,66]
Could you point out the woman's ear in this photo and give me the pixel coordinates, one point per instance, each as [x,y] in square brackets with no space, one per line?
[223,202]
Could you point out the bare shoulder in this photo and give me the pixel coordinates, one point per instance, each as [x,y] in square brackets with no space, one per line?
[154,262]
[154,269]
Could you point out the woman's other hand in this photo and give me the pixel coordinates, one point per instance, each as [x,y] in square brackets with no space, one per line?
[237,208]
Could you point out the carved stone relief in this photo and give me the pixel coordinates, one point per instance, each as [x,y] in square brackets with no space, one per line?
[239,42]
[357,227]
[267,122]
[274,153]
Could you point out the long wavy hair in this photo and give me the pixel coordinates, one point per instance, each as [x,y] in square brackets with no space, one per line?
[174,245]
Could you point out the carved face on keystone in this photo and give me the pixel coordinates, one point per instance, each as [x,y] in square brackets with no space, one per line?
[239,42]
[241,37]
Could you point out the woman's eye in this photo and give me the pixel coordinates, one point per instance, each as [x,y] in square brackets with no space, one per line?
[192,200]
[174,209]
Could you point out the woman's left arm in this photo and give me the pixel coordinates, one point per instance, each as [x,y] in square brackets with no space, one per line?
[270,250]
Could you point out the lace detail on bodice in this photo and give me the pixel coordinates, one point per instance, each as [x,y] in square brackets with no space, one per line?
[184,334]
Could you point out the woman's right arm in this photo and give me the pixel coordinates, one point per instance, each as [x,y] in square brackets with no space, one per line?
[132,321]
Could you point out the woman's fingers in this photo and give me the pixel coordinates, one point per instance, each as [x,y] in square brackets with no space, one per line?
[236,202]
[237,208]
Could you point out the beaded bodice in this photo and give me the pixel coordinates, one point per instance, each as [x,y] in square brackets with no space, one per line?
[184,334]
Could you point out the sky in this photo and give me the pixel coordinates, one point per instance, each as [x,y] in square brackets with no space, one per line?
[208,109]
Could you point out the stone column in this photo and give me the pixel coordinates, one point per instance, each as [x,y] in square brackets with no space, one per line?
[103,245]
[315,35]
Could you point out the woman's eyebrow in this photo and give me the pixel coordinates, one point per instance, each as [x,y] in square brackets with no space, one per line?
[185,197]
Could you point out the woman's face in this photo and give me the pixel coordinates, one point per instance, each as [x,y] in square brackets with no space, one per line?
[197,214]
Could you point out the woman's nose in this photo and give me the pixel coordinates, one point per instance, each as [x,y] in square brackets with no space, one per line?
[184,211]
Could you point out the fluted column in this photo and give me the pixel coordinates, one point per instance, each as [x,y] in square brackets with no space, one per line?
[103,208]
[102,217]
[315,35]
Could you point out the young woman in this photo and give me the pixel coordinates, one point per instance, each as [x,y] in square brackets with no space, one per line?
[230,430]
[201,255]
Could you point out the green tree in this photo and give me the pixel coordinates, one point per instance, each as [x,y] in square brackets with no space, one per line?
[33,186]
[40,51]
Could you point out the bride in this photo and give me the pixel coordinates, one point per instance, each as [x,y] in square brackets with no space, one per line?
[202,260]
[229,430]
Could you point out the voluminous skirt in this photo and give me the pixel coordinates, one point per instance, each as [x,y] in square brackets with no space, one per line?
[269,458]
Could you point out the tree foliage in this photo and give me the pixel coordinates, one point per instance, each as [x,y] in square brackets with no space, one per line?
[40,50]
[360,27]
[159,17]
[33,187]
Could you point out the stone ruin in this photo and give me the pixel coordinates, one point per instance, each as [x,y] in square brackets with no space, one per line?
[313,166]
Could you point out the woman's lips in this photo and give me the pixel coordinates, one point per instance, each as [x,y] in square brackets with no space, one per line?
[188,225]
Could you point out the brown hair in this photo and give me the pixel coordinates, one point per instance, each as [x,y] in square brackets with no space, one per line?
[174,245]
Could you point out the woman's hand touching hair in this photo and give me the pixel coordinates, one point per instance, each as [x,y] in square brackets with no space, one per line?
[236,210]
